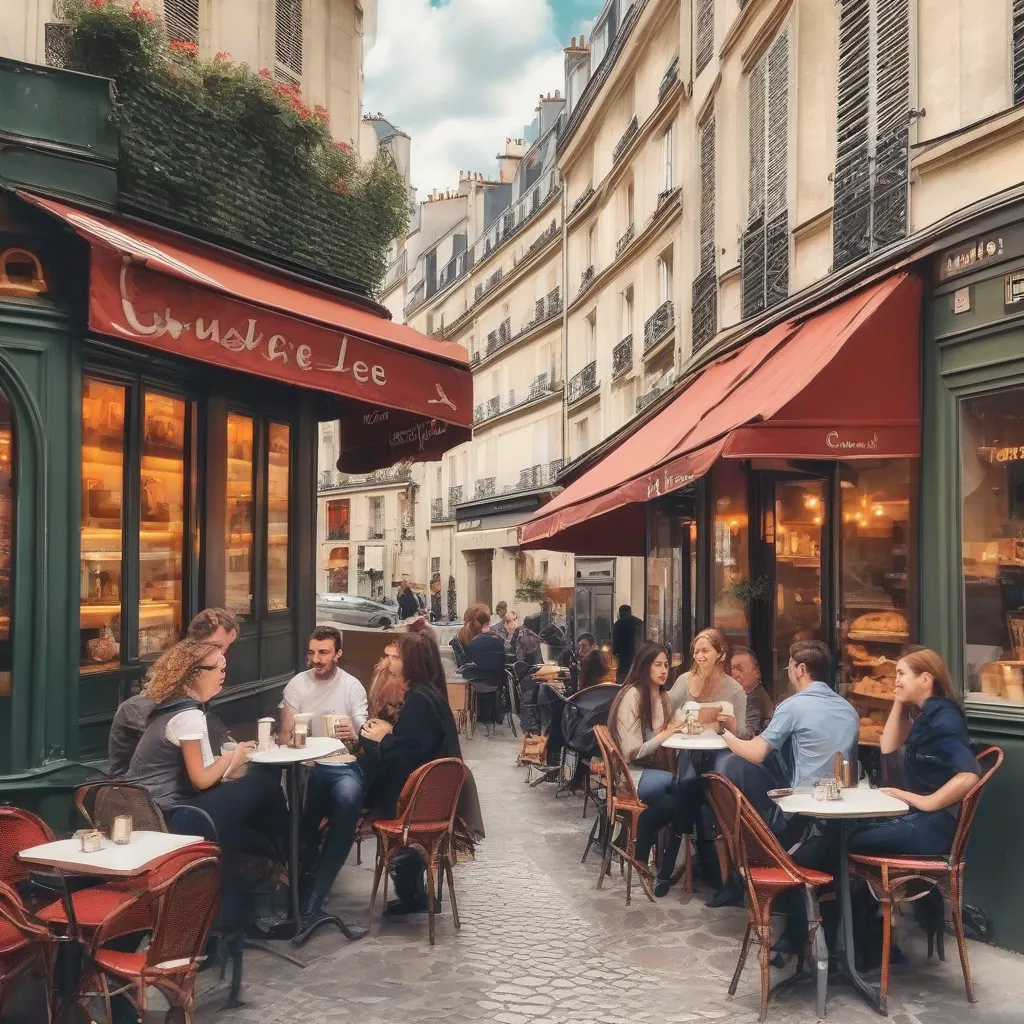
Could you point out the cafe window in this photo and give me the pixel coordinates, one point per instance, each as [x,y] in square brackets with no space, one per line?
[730,547]
[239,548]
[339,515]
[7,494]
[103,457]
[337,571]
[161,522]
[878,596]
[278,477]
[992,523]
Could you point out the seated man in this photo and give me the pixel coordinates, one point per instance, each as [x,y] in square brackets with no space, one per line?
[744,668]
[815,721]
[213,625]
[336,785]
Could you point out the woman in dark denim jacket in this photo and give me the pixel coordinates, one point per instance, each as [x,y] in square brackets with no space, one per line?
[928,731]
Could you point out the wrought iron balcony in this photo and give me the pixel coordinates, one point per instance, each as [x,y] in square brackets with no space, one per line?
[474,359]
[659,388]
[659,325]
[622,357]
[484,488]
[627,237]
[492,407]
[669,78]
[555,466]
[582,384]
[505,331]
[587,279]
[585,195]
[627,137]
[375,532]
[531,478]
[705,308]
[437,510]
[541,385]
[332,480]
[454,498]
[554,300]
[492,342]
[668,196]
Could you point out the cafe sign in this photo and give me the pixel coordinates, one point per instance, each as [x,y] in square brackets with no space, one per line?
[967,257]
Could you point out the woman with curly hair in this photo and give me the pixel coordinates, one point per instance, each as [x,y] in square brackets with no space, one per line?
[176,762]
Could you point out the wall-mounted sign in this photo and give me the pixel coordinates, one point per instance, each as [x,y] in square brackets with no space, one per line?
[1011,454]
[962,300]
[959,261]
[1014,288]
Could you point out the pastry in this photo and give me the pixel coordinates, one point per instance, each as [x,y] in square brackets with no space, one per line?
[881,622]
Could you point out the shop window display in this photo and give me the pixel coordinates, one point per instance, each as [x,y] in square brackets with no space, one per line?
[992,510]
[878,598]
[103,436]
[278,462]
[730,552]
[239,509]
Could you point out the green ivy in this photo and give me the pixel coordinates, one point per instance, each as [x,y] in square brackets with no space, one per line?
[216,146]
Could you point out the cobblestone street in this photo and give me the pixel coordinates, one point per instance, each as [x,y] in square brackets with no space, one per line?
[540,945]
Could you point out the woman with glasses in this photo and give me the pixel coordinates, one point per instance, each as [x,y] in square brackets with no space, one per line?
[176,761]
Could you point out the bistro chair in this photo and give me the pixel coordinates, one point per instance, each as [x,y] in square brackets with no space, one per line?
[890,878]
[25,944]
[622,805]
[767,871]
[425,822]
[184,904]
[19,830]
[100,802]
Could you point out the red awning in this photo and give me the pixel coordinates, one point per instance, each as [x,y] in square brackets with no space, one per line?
[842,384]
[412,397]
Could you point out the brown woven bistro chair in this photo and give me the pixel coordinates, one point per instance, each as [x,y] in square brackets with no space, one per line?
[25,944]
[889,878]
[424,821]
[767,872]
[186,903]
[100,802]
[622,805]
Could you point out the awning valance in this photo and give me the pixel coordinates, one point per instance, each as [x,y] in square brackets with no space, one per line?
[841,384]
[411,396]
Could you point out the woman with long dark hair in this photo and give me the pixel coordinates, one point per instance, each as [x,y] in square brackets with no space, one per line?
[927,728]
[424,731]
[640,720]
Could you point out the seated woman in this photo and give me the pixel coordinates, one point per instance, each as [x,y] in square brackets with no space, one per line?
[177,764]
[486,650]
[640,721]
[424,731]
[927,727]
[595,669]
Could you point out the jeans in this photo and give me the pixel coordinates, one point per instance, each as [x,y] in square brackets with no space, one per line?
[918,834]
[666,805]
[335,792]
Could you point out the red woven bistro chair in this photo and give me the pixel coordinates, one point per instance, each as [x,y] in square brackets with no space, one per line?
[25,944]
[183,906]
[621,805]
[425,822]
[19,830]
[767,872]
[889,878]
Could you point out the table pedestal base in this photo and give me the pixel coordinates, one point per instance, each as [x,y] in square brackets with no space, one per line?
[352,933]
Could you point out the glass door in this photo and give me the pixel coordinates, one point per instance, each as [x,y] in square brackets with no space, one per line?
[671,577]
[799,536]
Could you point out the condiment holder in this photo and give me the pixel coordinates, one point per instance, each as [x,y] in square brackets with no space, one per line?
[827,789]
[121,829]
[90,840]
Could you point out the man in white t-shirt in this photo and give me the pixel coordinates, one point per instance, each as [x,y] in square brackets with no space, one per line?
[336,786]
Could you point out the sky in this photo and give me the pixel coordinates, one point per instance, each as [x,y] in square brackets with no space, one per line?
[460,76]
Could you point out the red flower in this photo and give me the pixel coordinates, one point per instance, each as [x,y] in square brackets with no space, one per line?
[97,4]
[343,146]
[139,13]
[223,57]
[339,187]
[264,73]
[184,48]
[320,113]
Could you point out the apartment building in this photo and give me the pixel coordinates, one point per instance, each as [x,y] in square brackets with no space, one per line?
[316,44]
[493,284]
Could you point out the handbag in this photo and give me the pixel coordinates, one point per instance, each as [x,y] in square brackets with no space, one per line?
[534,750]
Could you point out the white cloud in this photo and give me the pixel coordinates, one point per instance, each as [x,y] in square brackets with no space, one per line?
[460,78]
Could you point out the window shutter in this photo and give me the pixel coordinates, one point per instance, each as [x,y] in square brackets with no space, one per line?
[892,137]
[777,214]
[851,211]
[288,39]
[1018,51]
[181,18]
[704,314]
[752,247]
[705,33]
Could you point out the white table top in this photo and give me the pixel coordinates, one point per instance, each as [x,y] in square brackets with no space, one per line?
[122,861]
[315,748]
[705,741]
[861,802]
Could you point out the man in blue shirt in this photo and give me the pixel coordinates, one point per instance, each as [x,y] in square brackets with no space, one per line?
[815,723]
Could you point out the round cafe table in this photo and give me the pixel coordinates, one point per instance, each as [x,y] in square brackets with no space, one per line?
[289,758]
[704,741]
[857,803]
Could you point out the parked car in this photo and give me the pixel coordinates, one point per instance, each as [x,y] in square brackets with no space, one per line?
[351,610]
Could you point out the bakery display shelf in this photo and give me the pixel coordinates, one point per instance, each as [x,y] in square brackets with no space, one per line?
[800,561]
[869,741]
[878,638]
[868,698]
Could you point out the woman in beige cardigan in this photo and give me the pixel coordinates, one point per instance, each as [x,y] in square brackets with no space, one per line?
[640,721]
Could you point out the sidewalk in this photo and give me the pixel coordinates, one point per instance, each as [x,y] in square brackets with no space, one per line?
[539,944]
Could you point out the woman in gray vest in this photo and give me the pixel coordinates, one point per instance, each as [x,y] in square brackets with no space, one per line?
[176,762]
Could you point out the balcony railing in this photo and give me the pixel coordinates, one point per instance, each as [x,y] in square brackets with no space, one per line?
[484,487]
[659,325]
[627,237]
[396,272]
[530,479]
[375,532]
[555,466]
[554,300]
[542,385]
[587,279]
[669,78]
[627,137]
[331,480]
[658,388]
[582,384]
[437,510]
[622,357]
[584,196]
[516,217]
[338,534]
